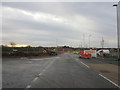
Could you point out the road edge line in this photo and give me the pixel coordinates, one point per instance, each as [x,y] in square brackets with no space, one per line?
[109,80]
[28,86]
[85,64]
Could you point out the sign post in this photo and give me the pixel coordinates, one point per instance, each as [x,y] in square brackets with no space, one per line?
[118,28]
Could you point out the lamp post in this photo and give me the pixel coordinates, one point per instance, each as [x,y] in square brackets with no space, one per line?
[118,36]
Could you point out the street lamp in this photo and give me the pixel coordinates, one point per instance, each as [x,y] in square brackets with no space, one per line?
[116,5]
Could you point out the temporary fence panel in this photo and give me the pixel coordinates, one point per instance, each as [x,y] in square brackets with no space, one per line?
[93,52]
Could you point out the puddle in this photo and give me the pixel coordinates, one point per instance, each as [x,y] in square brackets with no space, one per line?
[105,71]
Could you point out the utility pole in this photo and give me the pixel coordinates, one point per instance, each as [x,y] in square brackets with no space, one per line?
[89,40]
[56,42]
[108,44]
[81,44]
[78,44]
[102,42]
[86,46]
[56,45]
[84,40]
[118,27]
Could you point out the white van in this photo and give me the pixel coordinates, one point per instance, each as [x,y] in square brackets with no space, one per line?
[104,51]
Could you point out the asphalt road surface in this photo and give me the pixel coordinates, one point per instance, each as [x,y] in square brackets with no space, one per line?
[62,71]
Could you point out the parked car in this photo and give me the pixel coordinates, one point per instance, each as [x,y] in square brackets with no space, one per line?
[105,52]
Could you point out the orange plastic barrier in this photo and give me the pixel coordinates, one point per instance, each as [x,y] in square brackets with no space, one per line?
[85,55]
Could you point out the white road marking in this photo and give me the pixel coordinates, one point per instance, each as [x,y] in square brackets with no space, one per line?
[49,65]
[46,58]
[37,59]
[24,58]
[35,79]
[28,86]
[85,64]
[109,80]
[46,67]
[56,57]
[40,74]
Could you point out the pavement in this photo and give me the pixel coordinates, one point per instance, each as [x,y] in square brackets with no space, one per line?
[62,71]
[108,67]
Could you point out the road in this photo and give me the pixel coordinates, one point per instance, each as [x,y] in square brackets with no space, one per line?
[62,71]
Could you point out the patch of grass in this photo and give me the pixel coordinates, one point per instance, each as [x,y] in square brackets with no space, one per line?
[113,57]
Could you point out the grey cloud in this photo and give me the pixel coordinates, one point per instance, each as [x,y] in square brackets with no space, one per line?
[103,14]
[54,31]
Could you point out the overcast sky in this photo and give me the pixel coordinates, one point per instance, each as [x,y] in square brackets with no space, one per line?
[66,23]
